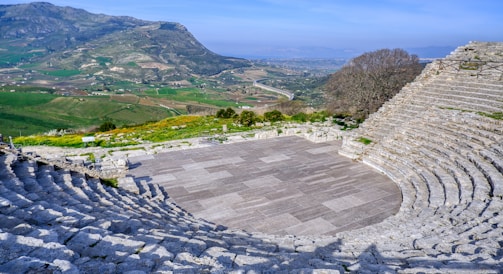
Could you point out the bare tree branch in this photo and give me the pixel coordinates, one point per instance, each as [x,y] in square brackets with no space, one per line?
[369,80]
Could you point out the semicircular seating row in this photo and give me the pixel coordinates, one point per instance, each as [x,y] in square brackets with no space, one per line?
[430,139]
[435,141]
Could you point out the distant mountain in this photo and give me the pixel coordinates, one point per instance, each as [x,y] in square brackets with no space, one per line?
[47,38]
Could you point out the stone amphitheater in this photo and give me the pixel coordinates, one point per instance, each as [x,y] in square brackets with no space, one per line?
[434,140]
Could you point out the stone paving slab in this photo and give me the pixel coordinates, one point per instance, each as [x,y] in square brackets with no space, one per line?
[279,186]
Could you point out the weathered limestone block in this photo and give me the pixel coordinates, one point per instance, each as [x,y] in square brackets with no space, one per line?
[115,249]
[247,262]
[13,246]
[135,264]
[187,259]
[25,264]
[54,251]
[156,253]
[83,241]
[222,255]
[129,184]
[194,246]
[45,235]
[65,267]
[95,265]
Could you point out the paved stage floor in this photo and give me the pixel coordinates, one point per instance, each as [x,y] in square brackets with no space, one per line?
[280,186]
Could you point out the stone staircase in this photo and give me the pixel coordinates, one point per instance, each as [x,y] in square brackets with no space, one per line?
[429,139]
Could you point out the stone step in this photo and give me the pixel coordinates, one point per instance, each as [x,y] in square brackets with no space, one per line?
[421,191]
[446,181]
[458,156]
[455,104]
[456,177]
[473,90]
[144,188]
[493,175]
[457,97]
[493,158]
[436,190]
[409,194]
[449,80]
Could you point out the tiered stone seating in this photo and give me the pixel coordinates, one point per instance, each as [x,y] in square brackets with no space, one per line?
[447,153]
[429,139]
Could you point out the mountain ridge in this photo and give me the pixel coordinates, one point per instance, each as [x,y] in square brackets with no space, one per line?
[44,37]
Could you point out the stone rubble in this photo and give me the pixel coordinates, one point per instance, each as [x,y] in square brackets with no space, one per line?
[430,139]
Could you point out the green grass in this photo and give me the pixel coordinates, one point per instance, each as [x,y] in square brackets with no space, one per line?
[175,128]
[364,140]
[172,91]
[17,99]
[494,115]
[188,127]
[74,140]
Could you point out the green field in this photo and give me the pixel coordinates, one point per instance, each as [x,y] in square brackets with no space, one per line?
[12,55]
[62,72]
[193,95]
[31,113]
[26,89]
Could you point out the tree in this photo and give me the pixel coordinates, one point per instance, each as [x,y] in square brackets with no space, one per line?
[106,126]
[273,116]
[247,118]
[226,113]
[362,85]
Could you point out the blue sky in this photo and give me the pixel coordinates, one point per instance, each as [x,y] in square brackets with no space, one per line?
[290,27]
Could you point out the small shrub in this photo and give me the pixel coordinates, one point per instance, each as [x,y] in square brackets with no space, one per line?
[300,117]
[91,156]
[340,123]
[341,115]
[112,182]
[467,65]
[318,116]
